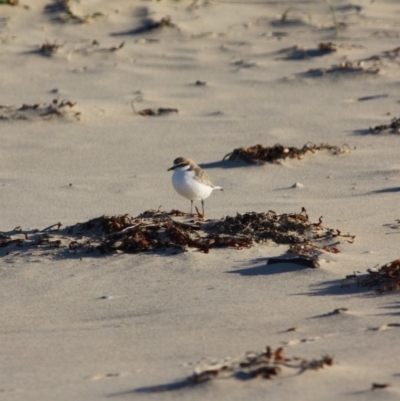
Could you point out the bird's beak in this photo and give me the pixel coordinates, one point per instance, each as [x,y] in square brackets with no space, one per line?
[171,168]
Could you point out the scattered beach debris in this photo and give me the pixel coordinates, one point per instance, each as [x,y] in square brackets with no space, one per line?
[148,25]
[338,311]
[92,48]
[328,47]
[200,83]
[294,229]
[64,13]
[392,128]
[392,54]
[297,185]
[298,52]
[385,327]
[115,48]
[323,48]
[156,230]
[242,63]
[251,365]
[291,329]
[160,111]
[266,365]
[260,154]
[43,111]
[360,67]
[48,49]
[107,297]
[379,386]
[157,111]
[386,278]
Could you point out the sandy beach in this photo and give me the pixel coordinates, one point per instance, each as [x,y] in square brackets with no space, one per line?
[97,100]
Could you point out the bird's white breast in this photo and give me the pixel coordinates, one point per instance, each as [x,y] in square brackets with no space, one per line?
[186,185]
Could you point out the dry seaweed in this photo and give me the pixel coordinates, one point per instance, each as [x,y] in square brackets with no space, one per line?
[148,25]
[379,386]
[155,230]
[260,154]
[44,111]
[328,47]
[157,112]
[94,47]
[392,128]
[115,48]
[266,365]
[298,52]
[48,49]
[386,278]
[151,112]
[359,67]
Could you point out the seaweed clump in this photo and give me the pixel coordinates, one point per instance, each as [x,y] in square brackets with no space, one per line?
[386,278]
[260,154]
[61,109]
[176,231]
[392,128]
[266,365]
[155,230]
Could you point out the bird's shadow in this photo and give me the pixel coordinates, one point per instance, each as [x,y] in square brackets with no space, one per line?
[226,164]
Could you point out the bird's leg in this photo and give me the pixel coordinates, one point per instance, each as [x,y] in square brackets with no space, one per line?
[202,205]
[191,207]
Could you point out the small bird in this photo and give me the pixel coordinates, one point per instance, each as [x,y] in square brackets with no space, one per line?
[190,181]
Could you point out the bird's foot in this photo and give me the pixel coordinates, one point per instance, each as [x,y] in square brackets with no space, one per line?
[200,216]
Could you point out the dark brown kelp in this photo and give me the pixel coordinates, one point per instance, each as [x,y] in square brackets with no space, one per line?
[392,128]
[386,278]
[40,111]
[155,230]
[260,154]
[266,365]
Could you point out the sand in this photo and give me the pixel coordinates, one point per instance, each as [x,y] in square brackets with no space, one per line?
[90,327]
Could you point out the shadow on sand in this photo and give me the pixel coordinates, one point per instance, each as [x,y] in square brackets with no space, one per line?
[385,191]
[226,164]
[282,264]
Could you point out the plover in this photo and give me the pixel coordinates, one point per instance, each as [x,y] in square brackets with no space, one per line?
[190,181]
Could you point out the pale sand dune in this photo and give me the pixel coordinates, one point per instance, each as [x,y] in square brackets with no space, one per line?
[163,314]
